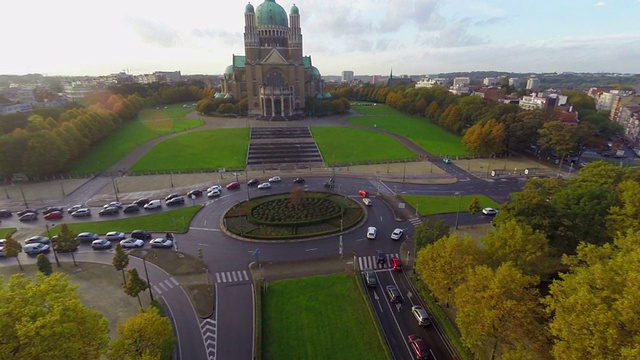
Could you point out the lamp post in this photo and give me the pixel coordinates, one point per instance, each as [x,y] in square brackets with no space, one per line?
[146,274]
[458,212]
[26,206]
[115,189]
[53,248]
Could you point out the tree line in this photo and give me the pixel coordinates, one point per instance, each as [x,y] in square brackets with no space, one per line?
[555,278]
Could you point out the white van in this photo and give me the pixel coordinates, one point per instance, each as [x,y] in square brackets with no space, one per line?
[153,204]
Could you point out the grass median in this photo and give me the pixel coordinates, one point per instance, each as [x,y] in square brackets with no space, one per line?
[4,232]
[433,205]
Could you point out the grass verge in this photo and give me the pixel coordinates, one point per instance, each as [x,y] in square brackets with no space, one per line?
[433,205]
[4,232]
[375,109]
[258,288]
[338,145]
[297,310]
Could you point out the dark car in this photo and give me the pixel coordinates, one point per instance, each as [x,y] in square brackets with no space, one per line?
[171,196]
[51,209]
[141,234]
[54,215]
[418,347]
[381,258]
[38,240]
[141,201]
[370,278]
[84,212]
[394,294]
[298,180]
[87,237]
[253,182]
[111,210]
[5,213]
[26,211]
[131,208]
[175,201]
[28,217]
[195,192]
[233,185]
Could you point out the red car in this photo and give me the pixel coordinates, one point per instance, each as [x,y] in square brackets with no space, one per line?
[233,185]
[363,193]
[54,215]
[396,264]
[418,347]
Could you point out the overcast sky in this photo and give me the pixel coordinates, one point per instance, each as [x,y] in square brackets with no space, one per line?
[73,37]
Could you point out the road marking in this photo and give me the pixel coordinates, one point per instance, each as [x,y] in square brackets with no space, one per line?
[415,221]
[311,249]
[201,244]
[173,281]
[209,330]
[204,229]
[232,276]
[371,262]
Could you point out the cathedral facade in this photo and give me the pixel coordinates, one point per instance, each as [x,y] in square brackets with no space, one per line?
[273,74]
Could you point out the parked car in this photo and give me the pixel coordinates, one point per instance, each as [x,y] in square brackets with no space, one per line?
[233,185]
[112,210]
[153,204]
[84,212]
[87,237]
[253,182]
[35,249]
[141,234]
[171,196]
[418,347]
[161,243]
[5,213]
[370,278]
[115,236]
[421,315]
[397,234]
[38,240]
[74,208]
[298,180]
[131,208]
[101,244]
[26,211]
[489,211]
[175,201]
[131,243]
[275,179]
[363,193]
[195,192]
[54,215]
[141,201]
[264,186]
[372,232]
[394,294]
[214,193]
[396,264]
[116,204]
[51,209]
[28,217]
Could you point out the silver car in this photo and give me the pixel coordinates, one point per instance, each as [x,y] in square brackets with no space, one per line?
[132,243]
[35,248]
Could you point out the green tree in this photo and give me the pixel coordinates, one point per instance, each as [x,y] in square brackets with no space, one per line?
[66,242]
[624,217]
[44,265]
[44,318]
[12,248]
[429,231]
[135,285]
[120,260]
[516,243]
[474,208]
[443,265]
[499,315]
[559,137]
[147,335]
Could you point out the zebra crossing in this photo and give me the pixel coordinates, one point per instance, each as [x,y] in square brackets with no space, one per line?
[232,276]
[415,221]
[371,262]
[209,330]
[165,285]
[381,187]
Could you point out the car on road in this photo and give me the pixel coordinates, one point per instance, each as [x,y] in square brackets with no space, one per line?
[5,213]
[111,210]
[446,161]
[101,244]
[175,201]
[36,248]
[396,264]
[298,180]
[264,186]
[171,196]
[54,215]
[233,185]
[153,204]
[51,209]
[141,201]
[370,278]
[116,204]
[381,258]
[84,212]
[418,347]
[275,179]
[213,193]
[131,243]
[141,234]
[87,237]
[421,315]
[394,294]
[194,192]
[28,217]
[38,240]
[131,208]
[161,243]
[74,208]
[26,211]
[115,236]
[363,193]
[214,187]
[367,201]
[253,182]
[489,211]
[372,232]
[397,234]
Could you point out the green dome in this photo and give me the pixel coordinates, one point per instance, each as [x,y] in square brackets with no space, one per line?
[326,95]
[219,96]
[229,70]
[249,8]
[315,71]
[294,10]
[270,13]
[228,96]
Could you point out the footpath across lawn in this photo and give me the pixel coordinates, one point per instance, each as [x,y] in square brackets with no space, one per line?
[433,205]
[322,317]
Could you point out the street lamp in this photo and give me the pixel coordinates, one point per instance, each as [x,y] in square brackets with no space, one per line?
[458,212]
[55,254]
[146,273]
[115,189]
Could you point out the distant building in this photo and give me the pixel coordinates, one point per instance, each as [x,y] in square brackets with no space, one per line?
[489,92]
[533,83]
[537,101]
[14,108]
[402,80]
[347,76]
[427,82]
[489,81]
[168,76]
[460,85]
[515,82]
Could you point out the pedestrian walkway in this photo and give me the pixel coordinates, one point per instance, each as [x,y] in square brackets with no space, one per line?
[371,262]
[381,187]
[232,276]
[209,329]
[165,285]
[415,221]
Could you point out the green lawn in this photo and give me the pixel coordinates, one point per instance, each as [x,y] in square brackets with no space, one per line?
[128,137]
[207,149]
[5,231]
[376,109]
[174,220]
[432,205]
[345,145]
[322,317]
[422,131]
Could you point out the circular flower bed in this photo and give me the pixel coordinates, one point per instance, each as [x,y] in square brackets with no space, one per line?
[284,212]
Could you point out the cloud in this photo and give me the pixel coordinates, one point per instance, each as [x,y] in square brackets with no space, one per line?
[154,32]
[600,3]
[225,37]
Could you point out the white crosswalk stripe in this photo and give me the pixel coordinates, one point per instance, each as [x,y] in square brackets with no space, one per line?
[381,187]
[232,276]
[371,262]
[415,221]
[164,285]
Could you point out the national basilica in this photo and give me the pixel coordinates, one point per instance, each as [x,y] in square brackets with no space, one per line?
[273,75]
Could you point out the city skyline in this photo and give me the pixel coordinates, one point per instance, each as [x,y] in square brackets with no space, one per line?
[75,38]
